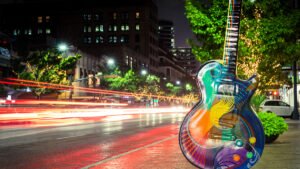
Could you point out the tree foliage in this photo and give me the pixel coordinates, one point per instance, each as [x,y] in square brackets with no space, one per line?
[128,82]
[150,84]
[268,33]
[47,66]
[173,89]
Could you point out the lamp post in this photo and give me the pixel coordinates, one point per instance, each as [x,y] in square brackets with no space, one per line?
[63,47]
[295,115]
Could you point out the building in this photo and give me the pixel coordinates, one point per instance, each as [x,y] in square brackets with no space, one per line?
[5,55]
[125,30]
[186,59]
[169,68]
[166,34]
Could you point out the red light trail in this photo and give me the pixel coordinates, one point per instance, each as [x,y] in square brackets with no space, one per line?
[29,83]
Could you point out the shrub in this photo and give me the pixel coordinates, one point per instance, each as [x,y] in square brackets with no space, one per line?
[272,124]
[256,100]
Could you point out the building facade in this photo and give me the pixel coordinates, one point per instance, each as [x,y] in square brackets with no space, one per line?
[186,59]
[166,34]
[5,55]
[125,30]
[169,68]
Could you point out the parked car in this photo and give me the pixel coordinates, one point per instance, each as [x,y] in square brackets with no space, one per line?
[279,107]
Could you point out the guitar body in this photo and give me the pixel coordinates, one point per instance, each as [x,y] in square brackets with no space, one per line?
[221,130]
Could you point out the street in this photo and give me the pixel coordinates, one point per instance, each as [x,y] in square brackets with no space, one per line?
[104,143]
[140,140]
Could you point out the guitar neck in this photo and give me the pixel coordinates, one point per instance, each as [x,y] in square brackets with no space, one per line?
[231,38]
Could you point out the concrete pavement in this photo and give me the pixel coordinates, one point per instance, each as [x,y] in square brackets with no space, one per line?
[284,153]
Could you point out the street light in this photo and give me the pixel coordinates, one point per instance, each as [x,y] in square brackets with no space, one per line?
[144,72]
[178,82]
[63,47]
[111,62]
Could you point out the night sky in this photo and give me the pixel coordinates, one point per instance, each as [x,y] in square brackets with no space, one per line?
[173,10]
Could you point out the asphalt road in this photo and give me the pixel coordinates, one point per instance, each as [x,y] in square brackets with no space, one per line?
[139,141]
[87,144]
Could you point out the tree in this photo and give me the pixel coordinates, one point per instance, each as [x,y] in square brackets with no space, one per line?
[268,34]
[128,82]
[150,85]
[47,66]
[173,89]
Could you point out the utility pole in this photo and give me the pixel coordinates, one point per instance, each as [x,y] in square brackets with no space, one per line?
[295,115]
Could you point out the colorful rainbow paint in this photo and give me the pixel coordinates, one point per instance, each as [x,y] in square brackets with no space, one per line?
[222,131]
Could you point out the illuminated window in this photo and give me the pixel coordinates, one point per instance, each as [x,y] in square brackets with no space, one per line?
[99,39]
[89,40]
[124,39]
[114,15]
[101,28]
[85,29]
[112,39]
[39,31]
[17,32]
[29,32]
[48,31]
[40,19]
[115,28]
[137,15]
[89,17]
[89,29]
[115,39]
[130,62]
[126,60]
[97,29]
[47,18]
[125,27]
[137,27]
[25,32]
[112,28]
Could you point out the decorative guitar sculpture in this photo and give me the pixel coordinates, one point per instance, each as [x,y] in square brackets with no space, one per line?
[222,131]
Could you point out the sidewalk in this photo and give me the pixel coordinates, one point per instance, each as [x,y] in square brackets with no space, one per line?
[284,153]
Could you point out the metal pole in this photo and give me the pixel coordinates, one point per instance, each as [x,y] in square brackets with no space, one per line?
[295,115]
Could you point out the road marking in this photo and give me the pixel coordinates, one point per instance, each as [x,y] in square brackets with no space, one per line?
[128,152]
[69,137]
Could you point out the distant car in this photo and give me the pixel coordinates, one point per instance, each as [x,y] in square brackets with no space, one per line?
[279,107]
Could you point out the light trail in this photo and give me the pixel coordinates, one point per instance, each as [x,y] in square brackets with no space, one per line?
[66,116]
[88,90]
[52,102]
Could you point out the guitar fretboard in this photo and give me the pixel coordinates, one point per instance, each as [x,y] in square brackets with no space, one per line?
[231,39]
